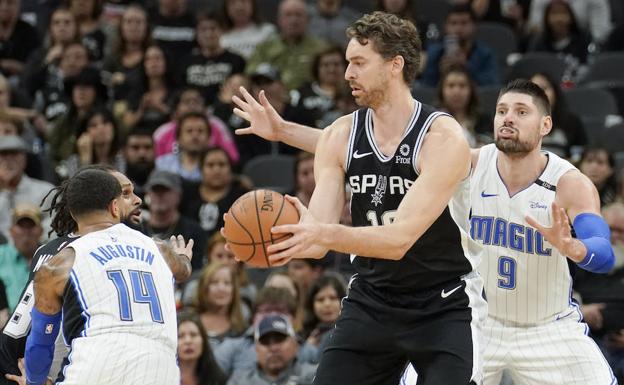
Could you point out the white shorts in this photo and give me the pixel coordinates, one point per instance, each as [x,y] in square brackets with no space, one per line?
[120,360]
[556,353]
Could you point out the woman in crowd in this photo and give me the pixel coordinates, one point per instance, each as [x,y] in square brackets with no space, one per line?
[304,177]
[457,95]
[133,38]
[86,91]
[567,130]
[91,31]
[318,96]
[195,357]
[322,309]
[98,142]
[561,34]
[218,190]
[244,28]
[43,63]
[218,303]
[149,100]
[598,164]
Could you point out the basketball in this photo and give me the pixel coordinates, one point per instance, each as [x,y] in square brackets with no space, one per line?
[248,226]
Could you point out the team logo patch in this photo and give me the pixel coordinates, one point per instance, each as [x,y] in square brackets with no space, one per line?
[49,328]
[537,205]
[380,190]
[404,149]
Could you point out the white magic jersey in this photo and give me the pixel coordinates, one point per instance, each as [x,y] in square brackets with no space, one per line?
[527,281]
[119,314]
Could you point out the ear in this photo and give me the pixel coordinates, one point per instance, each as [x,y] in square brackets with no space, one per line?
[398,62]
[113,208]
[546,125]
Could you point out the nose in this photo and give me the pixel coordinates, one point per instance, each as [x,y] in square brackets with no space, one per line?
[349,75]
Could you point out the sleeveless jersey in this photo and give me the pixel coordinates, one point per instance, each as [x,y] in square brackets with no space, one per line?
[527,281]
[120,285]
[378,184]
[15,332]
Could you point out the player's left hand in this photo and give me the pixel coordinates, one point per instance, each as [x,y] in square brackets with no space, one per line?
[180,247]
[21,379]
[559,234]
[305,235]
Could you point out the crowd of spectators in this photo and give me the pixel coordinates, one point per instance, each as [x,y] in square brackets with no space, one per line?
[147,88]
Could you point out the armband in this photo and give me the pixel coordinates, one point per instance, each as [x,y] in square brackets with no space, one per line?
[593,231]
[39,351]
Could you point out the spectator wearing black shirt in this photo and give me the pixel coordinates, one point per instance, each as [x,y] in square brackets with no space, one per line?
[87,13]
[133,38]
[223,108]
[63,30]
[150,99]
[219,188]
[268,79]
[567,130]
[173,28]
[210,64]
[50,97]
[18,39]
[318,96]
[164,191]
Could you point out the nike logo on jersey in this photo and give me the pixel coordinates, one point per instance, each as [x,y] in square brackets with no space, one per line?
[356,155]
[445,294]
[484,195]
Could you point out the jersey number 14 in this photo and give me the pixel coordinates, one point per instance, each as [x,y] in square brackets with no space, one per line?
[143,292]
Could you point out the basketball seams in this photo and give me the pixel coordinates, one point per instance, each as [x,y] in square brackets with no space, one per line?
[273,240]
[277,217]
[266,258]
[248,233]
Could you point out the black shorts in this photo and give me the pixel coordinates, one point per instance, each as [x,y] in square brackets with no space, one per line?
[379,333]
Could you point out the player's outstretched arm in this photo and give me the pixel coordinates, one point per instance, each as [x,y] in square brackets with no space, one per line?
[577,202]
[49,283]
[422,205]
[178,255]
[266,123]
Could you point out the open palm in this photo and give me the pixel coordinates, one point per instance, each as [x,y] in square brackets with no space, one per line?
[264,120]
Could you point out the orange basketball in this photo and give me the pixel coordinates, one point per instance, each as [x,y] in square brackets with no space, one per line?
[247,228]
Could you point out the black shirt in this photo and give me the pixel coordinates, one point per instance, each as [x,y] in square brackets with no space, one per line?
[4,303]
[209,215]
[378,184]
[22,42]
[176,35]
[13,337]
[208,73]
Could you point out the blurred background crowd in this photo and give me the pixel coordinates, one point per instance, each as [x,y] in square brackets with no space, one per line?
[146,87]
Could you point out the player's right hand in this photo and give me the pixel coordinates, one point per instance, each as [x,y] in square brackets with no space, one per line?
[264,120]
[180,247]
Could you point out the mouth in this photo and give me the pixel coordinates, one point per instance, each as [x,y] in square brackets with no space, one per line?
[135,216]
[506,132]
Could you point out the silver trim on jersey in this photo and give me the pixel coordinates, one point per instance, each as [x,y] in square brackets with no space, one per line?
[368,124]
[421,136]
[351,142]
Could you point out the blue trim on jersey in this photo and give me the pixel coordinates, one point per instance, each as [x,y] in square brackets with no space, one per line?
[83,303]
[500,178]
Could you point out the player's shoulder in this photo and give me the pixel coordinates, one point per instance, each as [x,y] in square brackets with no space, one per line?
[574,187]
[340,126]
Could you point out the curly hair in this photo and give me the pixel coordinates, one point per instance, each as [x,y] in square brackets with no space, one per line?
[391,36]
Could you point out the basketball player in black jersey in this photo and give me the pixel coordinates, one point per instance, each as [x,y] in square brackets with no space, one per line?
[13,337]
[415,297]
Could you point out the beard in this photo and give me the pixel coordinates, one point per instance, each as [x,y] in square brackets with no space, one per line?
[138,172]
[375,95]
[515,145]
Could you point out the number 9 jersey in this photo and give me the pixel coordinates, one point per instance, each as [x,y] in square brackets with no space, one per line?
[119,314]
[527,281]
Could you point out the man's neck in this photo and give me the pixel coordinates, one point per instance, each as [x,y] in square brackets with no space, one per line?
[88,225]
[518,171]
[391,116]
[189,160]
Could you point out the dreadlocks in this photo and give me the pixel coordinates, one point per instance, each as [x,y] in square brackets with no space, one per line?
[62,221]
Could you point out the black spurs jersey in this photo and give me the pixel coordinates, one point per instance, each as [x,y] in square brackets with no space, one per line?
[13,337]
[378,183]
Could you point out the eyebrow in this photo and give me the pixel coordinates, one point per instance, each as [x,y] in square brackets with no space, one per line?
[355,58]
[520,104]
